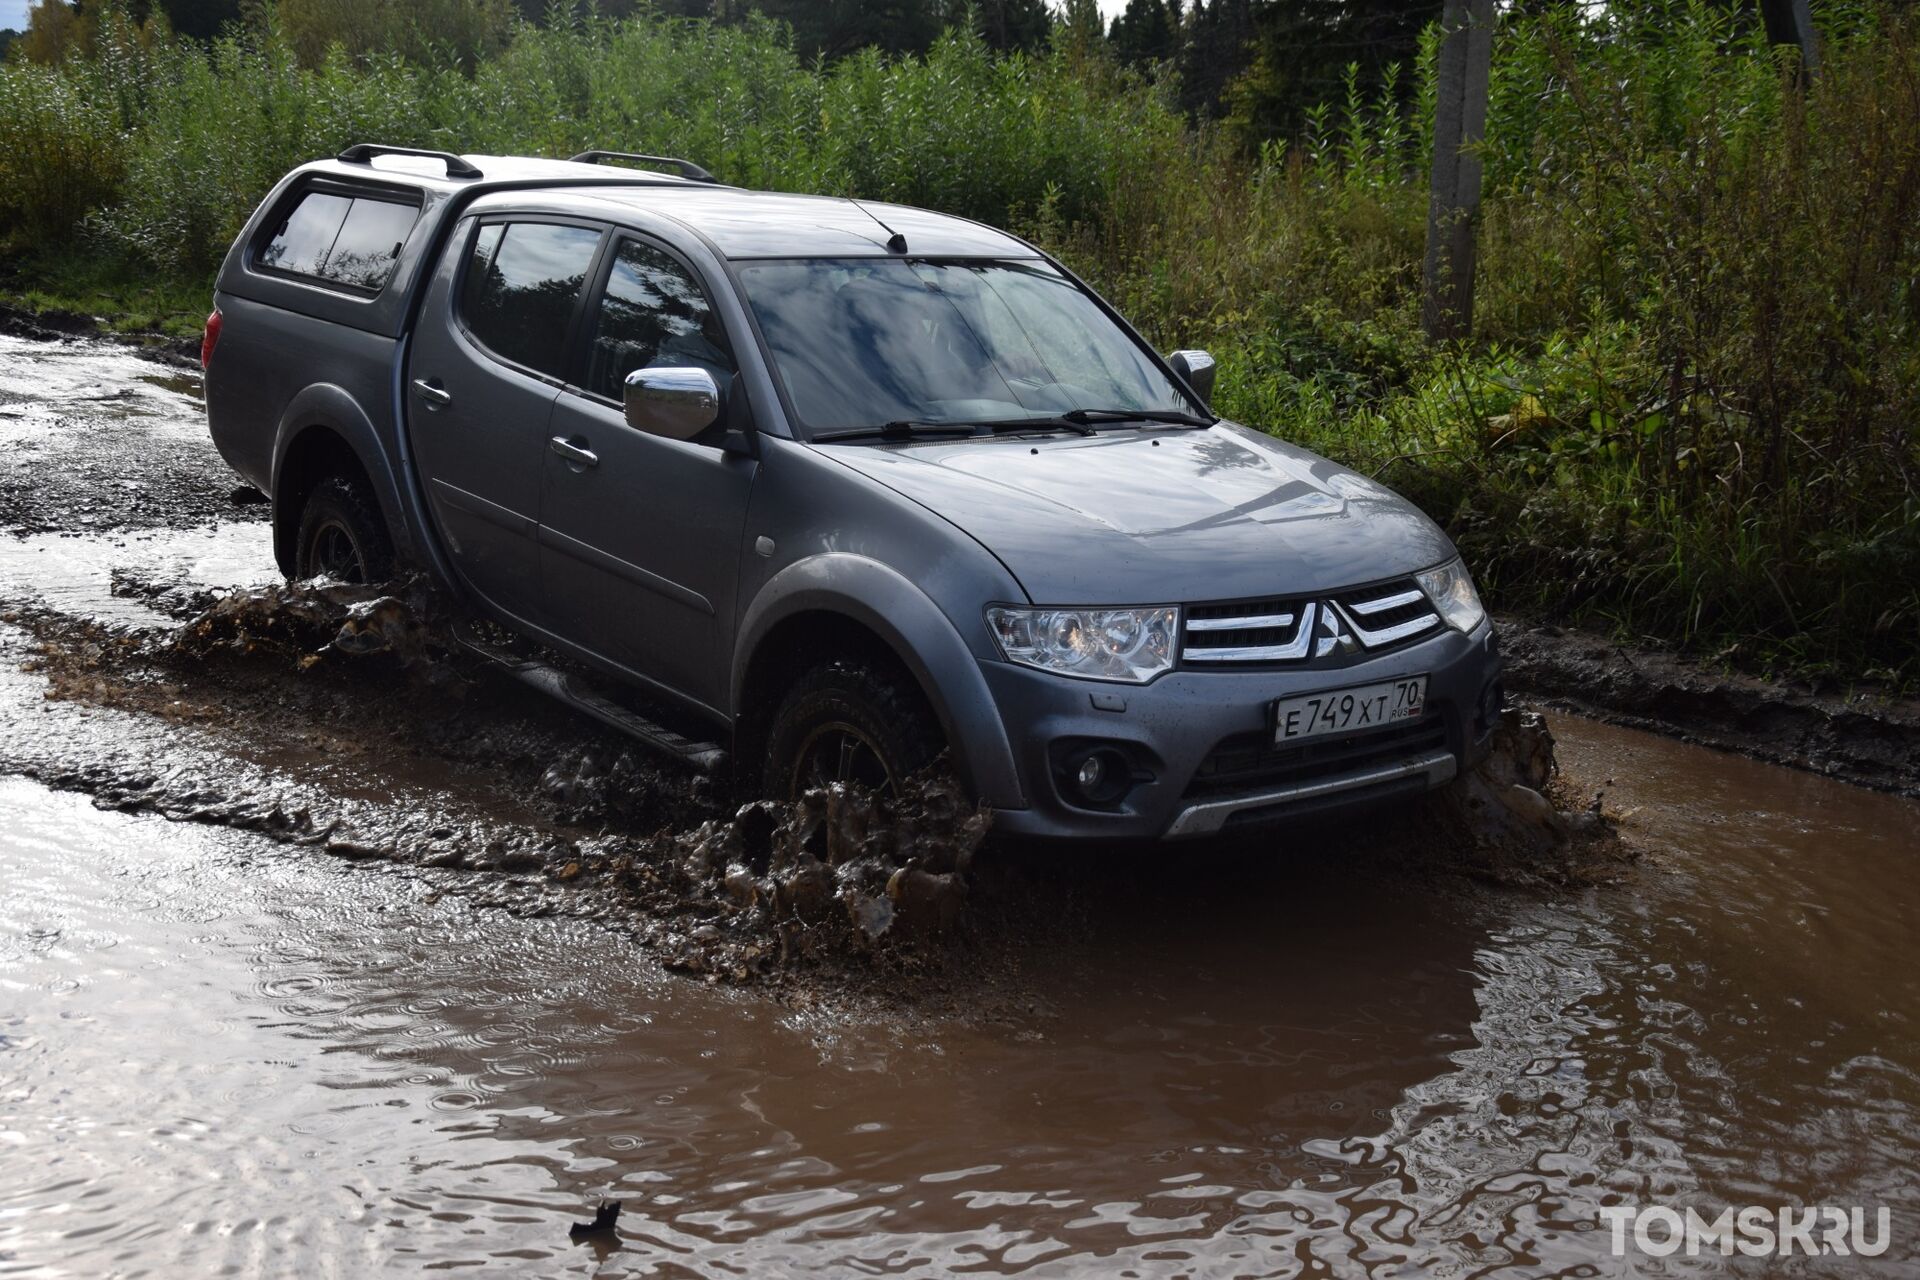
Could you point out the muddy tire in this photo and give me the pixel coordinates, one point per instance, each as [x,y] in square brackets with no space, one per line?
[342,535]
[848,722]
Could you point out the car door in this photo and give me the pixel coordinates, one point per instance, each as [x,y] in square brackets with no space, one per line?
[640,534]
[489,357]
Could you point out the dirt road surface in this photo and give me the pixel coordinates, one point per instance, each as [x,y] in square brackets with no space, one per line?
[350,967]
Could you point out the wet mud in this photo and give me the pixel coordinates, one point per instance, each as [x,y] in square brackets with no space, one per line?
[838,882]
[1866,736]
[396,954]
[94,436]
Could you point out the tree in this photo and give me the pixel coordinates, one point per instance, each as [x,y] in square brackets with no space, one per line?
[1302,49]
[1459,123]
[1146,33]
[1080,30]
[201,19]
[55,29]
[1216,51]
[1790,22]
[835,28]
[1006,24]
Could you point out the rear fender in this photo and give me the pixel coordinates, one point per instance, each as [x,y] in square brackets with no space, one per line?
[330,408]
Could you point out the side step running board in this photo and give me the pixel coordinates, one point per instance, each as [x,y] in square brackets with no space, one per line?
[708,757]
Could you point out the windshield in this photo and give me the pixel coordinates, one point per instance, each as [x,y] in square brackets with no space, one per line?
[863,342]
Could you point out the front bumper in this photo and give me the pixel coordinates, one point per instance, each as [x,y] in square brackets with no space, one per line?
[1175,730]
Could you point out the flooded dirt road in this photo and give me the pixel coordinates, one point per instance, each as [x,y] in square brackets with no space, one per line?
[223,1050]
[220,1053]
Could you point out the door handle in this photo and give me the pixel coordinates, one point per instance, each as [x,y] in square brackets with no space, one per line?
[437,396]
[573,452]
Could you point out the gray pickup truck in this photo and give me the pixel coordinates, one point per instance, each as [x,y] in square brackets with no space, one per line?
[822,489]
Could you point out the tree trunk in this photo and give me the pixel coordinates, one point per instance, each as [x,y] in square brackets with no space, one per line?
[1790,22]
[1459,123]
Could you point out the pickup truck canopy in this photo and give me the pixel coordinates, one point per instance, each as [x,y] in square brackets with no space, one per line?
[739,223]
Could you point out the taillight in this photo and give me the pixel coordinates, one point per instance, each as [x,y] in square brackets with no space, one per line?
[211,338]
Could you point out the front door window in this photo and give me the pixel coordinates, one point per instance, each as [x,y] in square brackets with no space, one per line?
[653,314]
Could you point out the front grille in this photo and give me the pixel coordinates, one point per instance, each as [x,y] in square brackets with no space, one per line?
[1250,761]
[1263,631]
[1299,629]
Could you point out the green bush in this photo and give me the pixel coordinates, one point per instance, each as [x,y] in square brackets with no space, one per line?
[1690,411]
[61,155]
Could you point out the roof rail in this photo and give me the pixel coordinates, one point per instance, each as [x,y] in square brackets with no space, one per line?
[364,152]
[687,168]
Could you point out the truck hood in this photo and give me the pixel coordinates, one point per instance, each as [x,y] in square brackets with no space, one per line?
[1161,517]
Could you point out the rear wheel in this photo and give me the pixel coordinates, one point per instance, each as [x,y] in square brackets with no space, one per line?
[849,722]
[342,535]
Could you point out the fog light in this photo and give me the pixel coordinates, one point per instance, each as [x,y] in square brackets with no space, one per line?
[1493,700]
[1098,777]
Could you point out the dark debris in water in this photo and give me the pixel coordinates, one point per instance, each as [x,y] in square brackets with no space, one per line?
[605,1220]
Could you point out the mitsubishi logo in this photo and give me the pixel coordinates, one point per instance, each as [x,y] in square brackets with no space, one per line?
[1333,632]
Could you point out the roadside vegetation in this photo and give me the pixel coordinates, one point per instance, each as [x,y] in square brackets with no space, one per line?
[1688,411]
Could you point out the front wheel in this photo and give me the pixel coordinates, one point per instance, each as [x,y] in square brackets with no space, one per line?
[342,535]
[848,722]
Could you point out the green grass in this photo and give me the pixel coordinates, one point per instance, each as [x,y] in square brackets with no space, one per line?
[122,300]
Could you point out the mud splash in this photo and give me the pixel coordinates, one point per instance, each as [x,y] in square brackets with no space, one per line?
[313,622]
[1515,820]
[315,673]
[730,892]
[837,872]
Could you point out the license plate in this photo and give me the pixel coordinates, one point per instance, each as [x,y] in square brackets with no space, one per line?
[1343,710]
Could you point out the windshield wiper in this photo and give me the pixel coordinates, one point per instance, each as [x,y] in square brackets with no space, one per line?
[905,429]
[1078,421]
[1173,416]
[1064,422]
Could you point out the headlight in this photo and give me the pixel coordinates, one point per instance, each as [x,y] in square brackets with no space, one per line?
[1134,645]
[1450,588]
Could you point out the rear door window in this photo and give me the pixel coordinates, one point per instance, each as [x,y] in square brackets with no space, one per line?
[522,284]
[342,239]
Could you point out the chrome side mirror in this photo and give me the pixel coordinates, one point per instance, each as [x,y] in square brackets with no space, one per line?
[1197,368]
[678,403]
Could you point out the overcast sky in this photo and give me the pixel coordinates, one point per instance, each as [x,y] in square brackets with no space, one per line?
[13,13]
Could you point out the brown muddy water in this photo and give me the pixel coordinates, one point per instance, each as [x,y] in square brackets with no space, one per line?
[222,1055]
